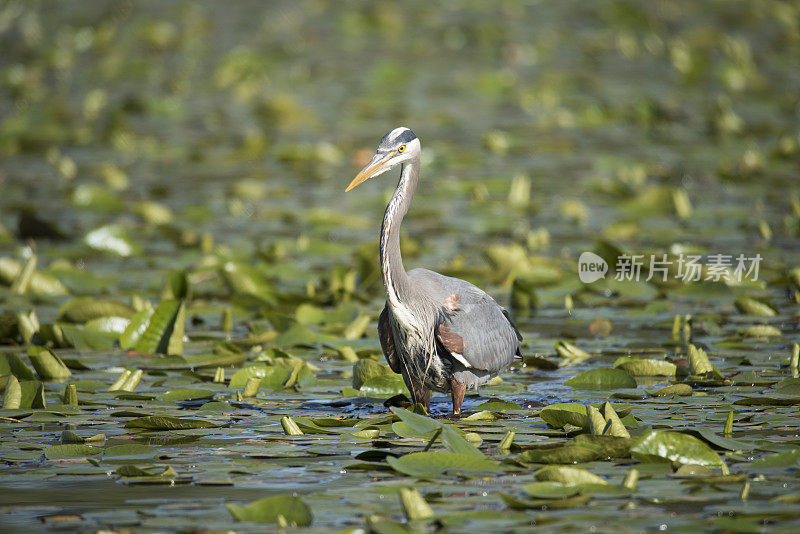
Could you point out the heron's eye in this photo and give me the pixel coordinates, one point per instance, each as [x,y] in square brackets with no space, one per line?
[401,148]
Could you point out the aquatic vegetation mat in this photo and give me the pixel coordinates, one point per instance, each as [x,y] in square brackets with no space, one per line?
[189,302]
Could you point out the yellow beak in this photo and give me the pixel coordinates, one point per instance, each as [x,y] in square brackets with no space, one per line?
[375,167]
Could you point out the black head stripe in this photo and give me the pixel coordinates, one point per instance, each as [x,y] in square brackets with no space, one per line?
[403,137]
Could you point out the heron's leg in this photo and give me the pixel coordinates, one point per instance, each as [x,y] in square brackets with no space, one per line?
[457,391]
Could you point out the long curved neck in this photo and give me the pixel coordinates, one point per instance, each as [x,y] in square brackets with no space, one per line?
[395,279]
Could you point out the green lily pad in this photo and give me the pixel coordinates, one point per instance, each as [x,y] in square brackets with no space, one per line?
[645,366]
[663,446]
[434,463]
[184,394]
[550,490]
[567,475]
[71,450]
[602,379]
[163,422]
[282,509]
[115,239]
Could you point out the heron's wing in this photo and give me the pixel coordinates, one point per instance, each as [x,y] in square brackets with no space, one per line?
[387,340]
[470,325]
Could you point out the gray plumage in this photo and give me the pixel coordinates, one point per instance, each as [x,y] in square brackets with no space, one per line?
[440,333]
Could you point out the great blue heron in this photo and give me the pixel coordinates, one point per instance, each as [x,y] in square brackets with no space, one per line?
[440,333]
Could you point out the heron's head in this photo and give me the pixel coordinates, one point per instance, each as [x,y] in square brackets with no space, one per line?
[396,147]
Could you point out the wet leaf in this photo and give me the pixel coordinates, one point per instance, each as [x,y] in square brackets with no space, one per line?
[115,239]
[562,414]
[384,386]
[602,379]
[567,454]
[567,475]
[164,331]
[281,509]
[130,451]
[606,446]
[782,459]
[549,490]
[751,306]
[645,366]
[83,309]
[184,394]
[11,364]
[365,369]
[48,366]
[414,505]
[423,464]
[163,422]
[662,446]
[544,504]
[57,452]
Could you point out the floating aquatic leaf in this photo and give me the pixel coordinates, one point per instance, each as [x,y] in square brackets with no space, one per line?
[152,471]
[272,376]
[567,454]
[384,386]
[662,446]
[544,504]
[83,309]
[115,239]
[645,366]
[40,284]
[57,452]
[571,353]
[595,421]
[615,426]
[246,280]
[568,475]
[281,509]
[422,464]
[562,414]
[450,437]
[606,446]
[683,390]
[130,451]
[365,369]
[184,394]
[751,306]
[698,361]
[165,328]
[763,331]
[782,459]
[602,379]
[11,364]
[137,326]
[48,366]
[414,505]
[550,490]
[499,405]
[163,422]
